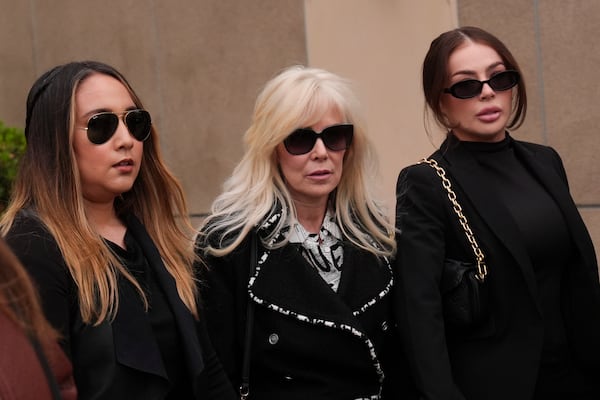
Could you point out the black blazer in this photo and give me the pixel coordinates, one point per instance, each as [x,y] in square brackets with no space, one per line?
[119,359]
[500,359]
[308,342]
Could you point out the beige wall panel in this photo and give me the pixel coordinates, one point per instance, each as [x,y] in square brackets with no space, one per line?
[16,68]
[212,61]
[120,34]
[571,55]
[591,217]
[66,30]
[520,38]
[380,46]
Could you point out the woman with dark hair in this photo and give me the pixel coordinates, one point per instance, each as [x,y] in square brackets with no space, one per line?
[32,365]
[487,199]
[100,223]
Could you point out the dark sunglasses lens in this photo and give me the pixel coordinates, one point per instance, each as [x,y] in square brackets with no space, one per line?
[338,137]
[301,141]
[138,122]
[504,80]
[471,88]
[101,127]
[466,89]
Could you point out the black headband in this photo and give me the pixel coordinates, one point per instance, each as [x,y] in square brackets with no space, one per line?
[39,87]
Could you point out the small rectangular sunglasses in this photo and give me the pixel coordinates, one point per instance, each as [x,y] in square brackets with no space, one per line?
[102,126]
[472,87]
[335,138]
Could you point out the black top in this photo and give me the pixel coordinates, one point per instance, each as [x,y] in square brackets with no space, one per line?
[131,356]
[500,358]
[308,341]
[547,240]
[159,315]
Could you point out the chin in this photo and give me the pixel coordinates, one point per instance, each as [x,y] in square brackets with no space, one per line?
[118,191]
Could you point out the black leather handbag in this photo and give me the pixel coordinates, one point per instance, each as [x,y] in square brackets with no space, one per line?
[464,286]
[464,294]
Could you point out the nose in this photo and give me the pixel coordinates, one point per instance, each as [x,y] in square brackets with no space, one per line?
[487,91]
[319,149]
[122,136]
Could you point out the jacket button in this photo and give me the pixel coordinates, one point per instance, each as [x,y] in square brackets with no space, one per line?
[384,326]
[273,338]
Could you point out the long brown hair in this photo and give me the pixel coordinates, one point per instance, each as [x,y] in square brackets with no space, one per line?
[48,183]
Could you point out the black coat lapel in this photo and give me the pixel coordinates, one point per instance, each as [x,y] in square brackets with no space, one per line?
[366,278]
[286,282]
[464,170]
[557,187]
[185,320]
[133,337]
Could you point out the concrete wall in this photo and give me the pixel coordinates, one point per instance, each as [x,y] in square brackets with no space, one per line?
[198,65]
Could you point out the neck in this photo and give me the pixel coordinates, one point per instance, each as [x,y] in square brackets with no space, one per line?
[311,217]
[103,218]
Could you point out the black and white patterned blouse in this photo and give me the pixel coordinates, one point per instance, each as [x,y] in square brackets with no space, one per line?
[323,250]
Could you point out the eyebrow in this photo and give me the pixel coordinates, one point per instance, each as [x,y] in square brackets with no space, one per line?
[470,72]
[91,113]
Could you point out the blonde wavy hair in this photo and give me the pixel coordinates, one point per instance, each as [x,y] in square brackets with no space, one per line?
[298,97]
[48,183]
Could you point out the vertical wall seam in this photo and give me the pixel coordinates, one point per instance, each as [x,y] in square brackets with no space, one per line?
[306,38]
[540,70]
[34,38]
[453,5]
[157,67]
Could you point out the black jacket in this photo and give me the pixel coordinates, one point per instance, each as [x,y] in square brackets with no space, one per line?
[500,359]
[308,341]
[118,360]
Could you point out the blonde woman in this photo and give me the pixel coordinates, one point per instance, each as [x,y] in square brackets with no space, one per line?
[93,218]
[320,291]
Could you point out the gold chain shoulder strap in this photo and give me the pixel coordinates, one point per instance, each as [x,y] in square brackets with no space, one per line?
[481,266]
